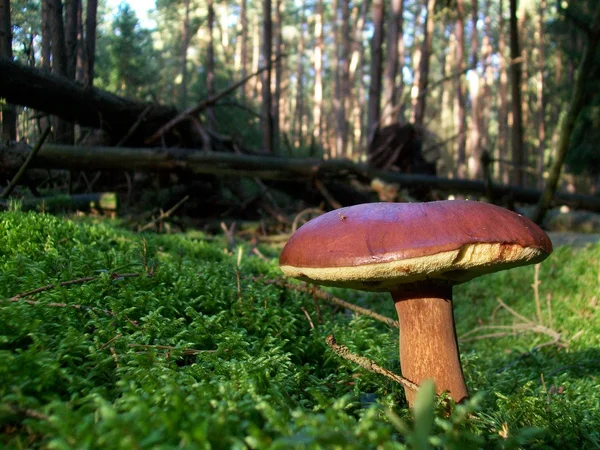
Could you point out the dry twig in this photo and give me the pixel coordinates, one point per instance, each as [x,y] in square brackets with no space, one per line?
[331,299]
[164,215]
[312,325]
[366,363]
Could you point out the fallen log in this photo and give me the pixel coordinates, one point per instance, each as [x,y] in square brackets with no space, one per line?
[264,167]
[89,107]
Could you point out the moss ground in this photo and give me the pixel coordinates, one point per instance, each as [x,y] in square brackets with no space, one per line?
[182,356]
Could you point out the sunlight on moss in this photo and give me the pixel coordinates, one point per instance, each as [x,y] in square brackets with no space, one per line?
[164,348]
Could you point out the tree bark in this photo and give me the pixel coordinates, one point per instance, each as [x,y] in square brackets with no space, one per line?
[264,167]
[567,123]
[278,79]
[344,80]
[298,123]
[9,113]
[71,8]
[185,42]
[541,94]
[318,58]
[518,153]
[90,41]
[378,13]
[267,120]
[391,91]
[244,43]
[63,131]
[210,59]
[475,90]
[422,78]
[461,115]
[72,102]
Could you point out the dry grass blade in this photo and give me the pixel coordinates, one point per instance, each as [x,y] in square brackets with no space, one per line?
[318,293]
[366,363]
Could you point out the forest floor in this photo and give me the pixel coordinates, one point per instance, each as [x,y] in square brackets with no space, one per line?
[179,341]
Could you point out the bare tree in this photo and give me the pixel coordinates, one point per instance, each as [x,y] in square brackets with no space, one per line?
[518,152]
[71,9]
[244,43]
[90,40]
[475,91]
[9,116]
[210,58]
[267,124]
[318,61]
[391,90]
[422,75]
[298,122]
[461,115]
[378,13]
[185,42]
[541,100]
[276,89]
[503,132]
[63,131]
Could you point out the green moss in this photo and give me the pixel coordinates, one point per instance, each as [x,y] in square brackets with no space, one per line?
[95,376]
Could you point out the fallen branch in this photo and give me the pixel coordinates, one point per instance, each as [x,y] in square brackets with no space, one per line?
[264,167]
[26,164]
[366,363]
[331,299]
[164,215]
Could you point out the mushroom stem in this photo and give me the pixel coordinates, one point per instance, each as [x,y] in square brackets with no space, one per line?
[428,344]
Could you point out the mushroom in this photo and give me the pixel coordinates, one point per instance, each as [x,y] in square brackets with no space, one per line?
[417,252]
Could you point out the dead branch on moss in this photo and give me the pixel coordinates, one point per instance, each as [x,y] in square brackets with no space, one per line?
[304,288]
[522,325]
[366,363]
[164,215]
[185,351]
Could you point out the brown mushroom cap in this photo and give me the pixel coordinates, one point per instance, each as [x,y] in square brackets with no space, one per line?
[378,246]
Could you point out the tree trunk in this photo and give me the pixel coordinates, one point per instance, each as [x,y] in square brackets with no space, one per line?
[344,80]
[378,13]
[355,104]
[448,114]
[185,42]
[502,101]
[210,60]
[298,122]
[71,8]
[318,58]
[518,153]
[46,35]
[267,121]
[276,89]
[391,93]
[541,100]
[567,123]
[63,131]
[475,90]
[256,50]
[461,115]
[90,40]
[244,43]
[9,114]
[422,77]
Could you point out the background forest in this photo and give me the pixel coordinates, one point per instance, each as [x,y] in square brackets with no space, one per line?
[477,76]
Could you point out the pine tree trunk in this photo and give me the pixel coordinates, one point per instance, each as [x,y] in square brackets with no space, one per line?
[502,101]
[391,93]
[318,61]
[298,122]
[276,89]
[71,7]
[244,44]
[541,100]
[256,50]
[9,114]
[378,13]
[518,154]
[63,131]
[90,40]
[461,115]
[185,41]
[344,80]
[475,90]
[267,121]
[423,73]
[210,59]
